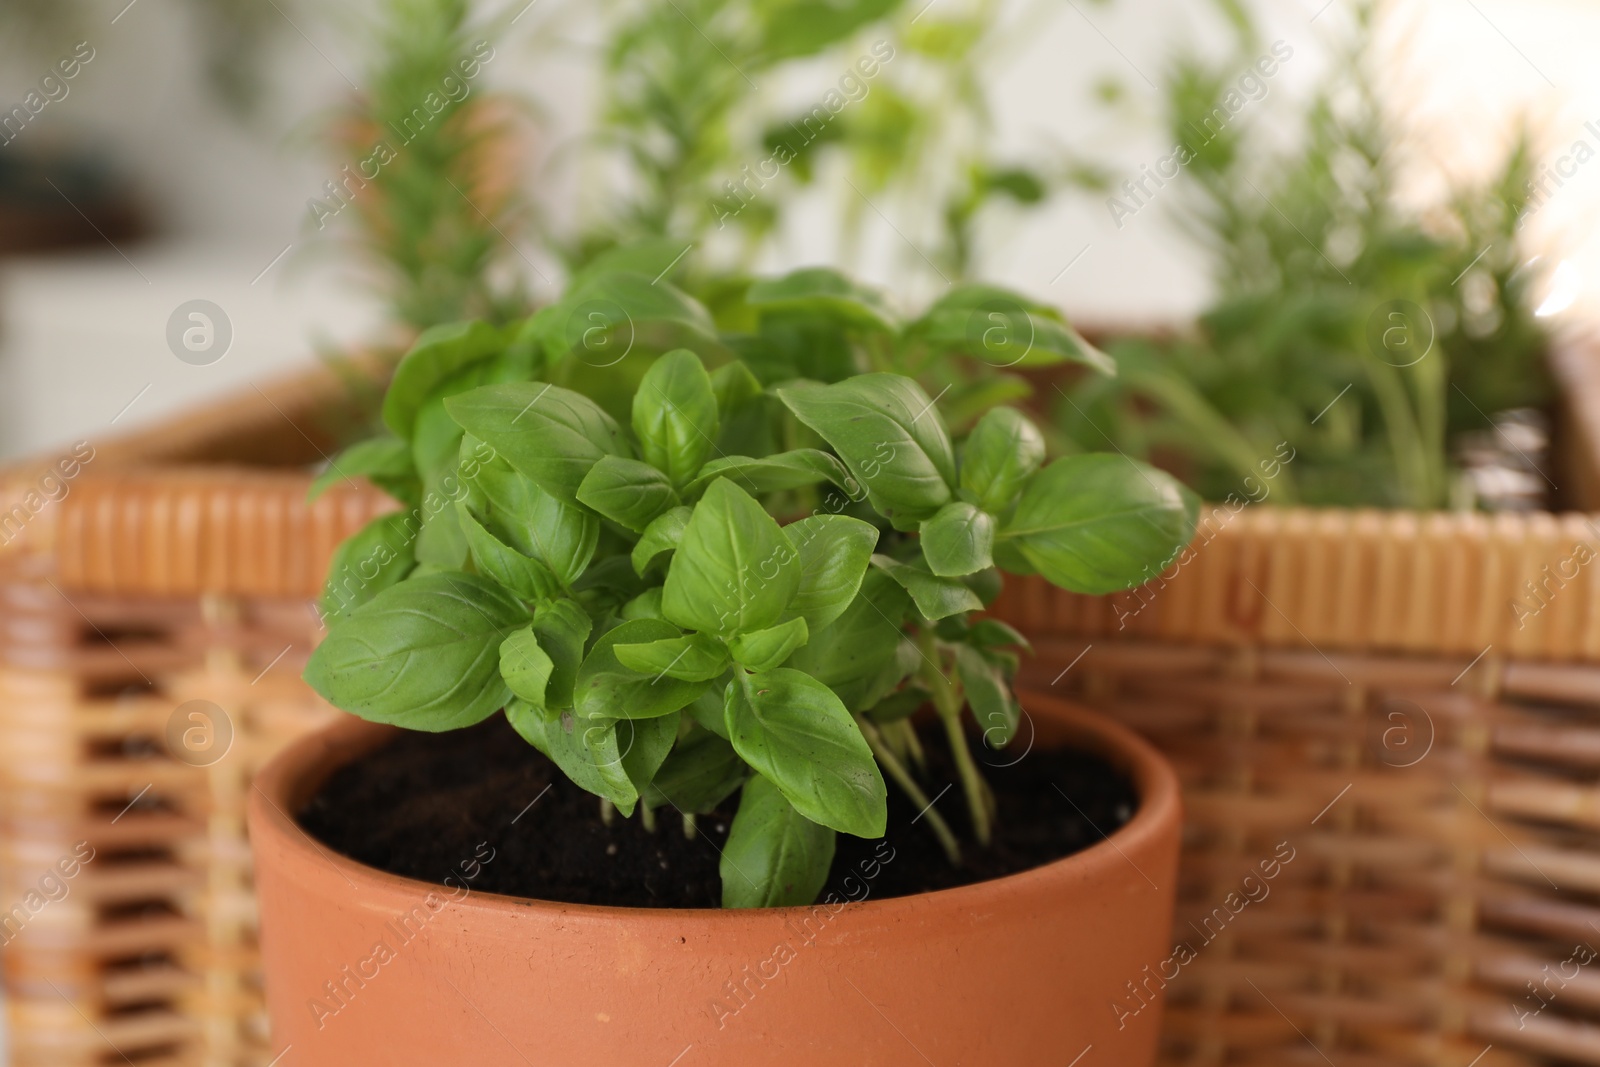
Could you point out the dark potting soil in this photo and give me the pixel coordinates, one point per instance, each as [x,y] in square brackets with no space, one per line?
[481,805]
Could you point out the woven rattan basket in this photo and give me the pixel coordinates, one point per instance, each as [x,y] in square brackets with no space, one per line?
[151,583]
[1351,685]
[1409,705]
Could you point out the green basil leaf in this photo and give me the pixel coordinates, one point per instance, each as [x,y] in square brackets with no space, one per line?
[762,650]
[606,586]
[796,734]
[675,416]
[899,705]
[1001,454]
[888,433]
[734,571]
[424,654]
[647,605]
[690,658]
[626,491]
[734,386]
[702,772]
[526,667]
[963,404]
[935,597]
[988,583]
[548,433]
[1101,523]
[824,293]
[645,745]
[855,656]
[608,690]
[589,752]
[993,706]
[440,354]
[562,627]
[605,315]
[660,537]
[992,633]
[385,461]
[775,857]
[528,578]
[772,474]
[958,540]
[562,537]
[529,722]
[1004,329]
[834,551]
[374,558]
[650,256]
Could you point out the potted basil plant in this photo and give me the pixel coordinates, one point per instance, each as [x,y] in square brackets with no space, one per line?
[763,648]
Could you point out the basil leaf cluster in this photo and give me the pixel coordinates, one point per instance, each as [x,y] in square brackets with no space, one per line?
[619,584]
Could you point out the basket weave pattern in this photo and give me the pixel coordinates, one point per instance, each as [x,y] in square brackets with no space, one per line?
[141,590]
[1361,692]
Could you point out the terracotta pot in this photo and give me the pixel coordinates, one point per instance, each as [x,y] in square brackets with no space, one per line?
[1025,971]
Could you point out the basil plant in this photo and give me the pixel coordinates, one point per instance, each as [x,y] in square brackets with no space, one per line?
[673,620]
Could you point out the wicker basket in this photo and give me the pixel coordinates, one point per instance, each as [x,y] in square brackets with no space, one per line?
[1361,690]
[143,588]
[1294,670]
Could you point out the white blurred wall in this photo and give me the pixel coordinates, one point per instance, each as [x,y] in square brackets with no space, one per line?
[83,335]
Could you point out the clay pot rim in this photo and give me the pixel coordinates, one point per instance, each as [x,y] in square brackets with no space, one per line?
[289,779]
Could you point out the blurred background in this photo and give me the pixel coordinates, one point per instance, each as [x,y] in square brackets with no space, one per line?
[185,160]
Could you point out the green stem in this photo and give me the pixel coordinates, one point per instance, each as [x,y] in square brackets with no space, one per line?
[647,815]
[902,778]
[689,828]
[608,811]
[948,702]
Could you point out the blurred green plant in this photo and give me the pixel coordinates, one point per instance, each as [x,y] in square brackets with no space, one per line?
[1369,339]
[433,172]
[903,107]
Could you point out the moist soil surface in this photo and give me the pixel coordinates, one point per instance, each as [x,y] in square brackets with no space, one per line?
[484,806]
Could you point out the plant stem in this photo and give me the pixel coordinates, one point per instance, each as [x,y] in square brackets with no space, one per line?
[647,815]
[608,811]
[902,777]
[948,702]
[689,828]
